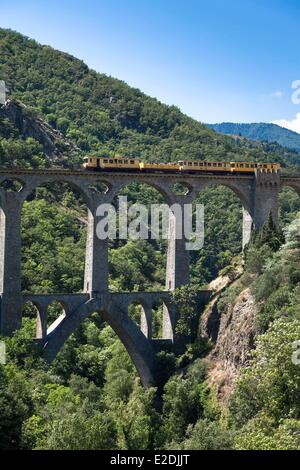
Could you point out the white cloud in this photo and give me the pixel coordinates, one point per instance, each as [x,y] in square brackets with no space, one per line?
[277,94]
[293,125]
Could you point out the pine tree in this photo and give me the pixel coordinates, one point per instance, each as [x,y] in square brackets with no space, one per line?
[270,235]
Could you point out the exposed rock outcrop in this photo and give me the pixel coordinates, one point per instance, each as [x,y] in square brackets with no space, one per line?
[234,343]
[53,142]
[210,320]
[232,332]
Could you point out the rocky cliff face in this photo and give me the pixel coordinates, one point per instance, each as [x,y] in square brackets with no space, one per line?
[53,142]
[232,332]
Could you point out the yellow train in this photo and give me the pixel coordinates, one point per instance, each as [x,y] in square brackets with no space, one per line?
[128,164]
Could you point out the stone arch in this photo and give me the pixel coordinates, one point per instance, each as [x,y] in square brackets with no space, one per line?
[161,187]
[77,185]
[242,189]
[169,319]
[135,342]
[41,308]
[244,192]
[150,245]
[225,199]
[141,313]
[75,238]
[33,182]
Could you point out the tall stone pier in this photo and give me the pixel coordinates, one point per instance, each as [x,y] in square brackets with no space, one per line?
[10,263]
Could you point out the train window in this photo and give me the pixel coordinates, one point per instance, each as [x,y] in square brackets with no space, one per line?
[246,166]
[208,164]
[111,161]
[105,161]
[132,161]
[200,164]
[190,164]
[219,164]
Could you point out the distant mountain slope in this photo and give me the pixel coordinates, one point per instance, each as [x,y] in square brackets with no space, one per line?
[260,131]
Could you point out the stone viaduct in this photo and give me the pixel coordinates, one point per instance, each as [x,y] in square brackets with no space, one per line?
[258,194]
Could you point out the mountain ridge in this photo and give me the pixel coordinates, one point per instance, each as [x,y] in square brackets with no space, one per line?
[260,131]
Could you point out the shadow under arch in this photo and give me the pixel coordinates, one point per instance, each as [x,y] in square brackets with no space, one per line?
[135,342]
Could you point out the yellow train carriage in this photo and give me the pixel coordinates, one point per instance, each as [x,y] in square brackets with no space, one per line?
[109,164]
[251,167]
[183,166]
[159,167]
[198,166]
[227,167]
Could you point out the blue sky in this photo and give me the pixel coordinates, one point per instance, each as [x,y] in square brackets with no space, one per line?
[217,60]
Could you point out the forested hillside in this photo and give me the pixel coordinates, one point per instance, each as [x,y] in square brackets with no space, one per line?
[91,397]
[100,113]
